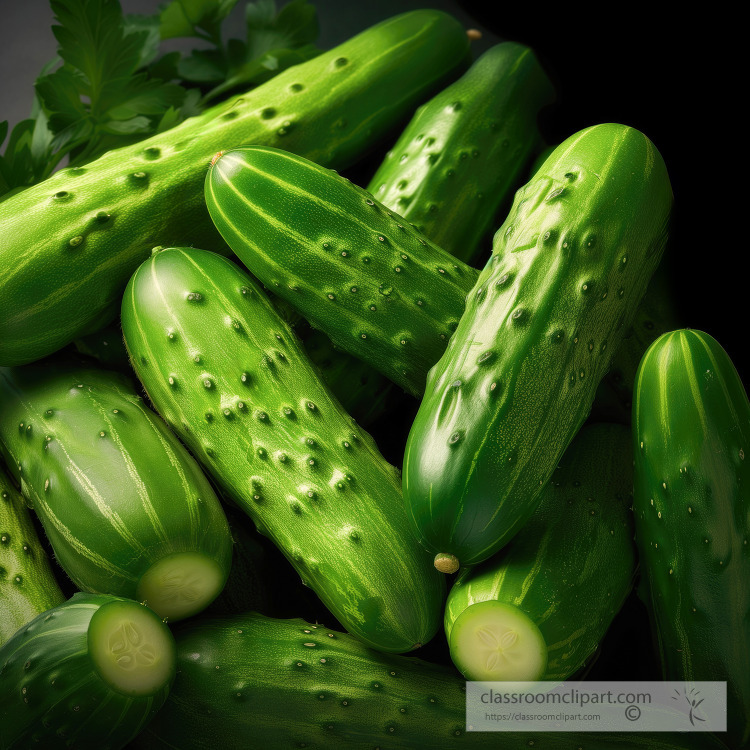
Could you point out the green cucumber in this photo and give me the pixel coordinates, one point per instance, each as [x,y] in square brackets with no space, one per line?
[252,681]
[233,381]
[87,674]
[466,150]
[570,265]
[27,583]
[71,243]
[539,608]
[351,267]
[106,347]
[691,427]
[125,507]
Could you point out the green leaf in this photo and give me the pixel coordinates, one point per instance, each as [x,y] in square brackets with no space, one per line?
[191,17]
[149,28]
[203,66]
[295,26]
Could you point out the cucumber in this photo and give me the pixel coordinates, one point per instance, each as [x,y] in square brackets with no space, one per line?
[88,673]
[354,269]
[691,427]
[72,242]
[252,681]
[466,150]
[539,608]
[235,384]
[125,507]
[27,583]
[570,265]
[106,347]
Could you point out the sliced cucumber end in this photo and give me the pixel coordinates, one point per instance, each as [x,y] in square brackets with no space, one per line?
[181,585]
[493,641]
[446,563]
[133,651]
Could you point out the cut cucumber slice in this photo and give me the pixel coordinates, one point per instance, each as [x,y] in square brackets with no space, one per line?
[133,651]
[181,585]
[492,641]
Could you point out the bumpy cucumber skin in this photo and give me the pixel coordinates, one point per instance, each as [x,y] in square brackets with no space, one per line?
[691,427]
[113,487]
[51,696]
[572,566]
[569,267]
[235,384]
[465,151]
[350,266]
[27,583]
[71,243]
[250,681]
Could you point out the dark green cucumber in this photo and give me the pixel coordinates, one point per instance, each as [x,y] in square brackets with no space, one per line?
[27,583]
[106,347]
[233,381]
[125,507]
[691,427]
[465,151]
[350,266]
[87,674]
[71,243]
[564,576]
[251,681]
[569,267]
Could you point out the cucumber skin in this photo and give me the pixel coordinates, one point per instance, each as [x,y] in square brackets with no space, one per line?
[49,685]
[240,685]
[77,237]
[27,583]
[691,429]
[353,268]
[136,462]
[572,565]
[570,265]
[465,151]
[309,478]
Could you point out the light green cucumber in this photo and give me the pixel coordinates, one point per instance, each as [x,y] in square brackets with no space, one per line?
[465,151]
[570,265]
[235,384]
[252,681]
[70,243]
[87,674]
[125,507]
[351,267]
[27,583]
[691,499]
[538,609]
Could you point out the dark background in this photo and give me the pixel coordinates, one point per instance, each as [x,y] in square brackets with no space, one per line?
[675,78]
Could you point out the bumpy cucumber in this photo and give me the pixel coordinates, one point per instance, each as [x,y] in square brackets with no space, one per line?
[570,265]
[691,427]
[350,266]
[250,681]
[231,378]
[466,150]
[27,583]
[125,507]
[88,674]
[563,577]
[71,243]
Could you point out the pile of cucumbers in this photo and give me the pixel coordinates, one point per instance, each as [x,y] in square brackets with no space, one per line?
[208,337]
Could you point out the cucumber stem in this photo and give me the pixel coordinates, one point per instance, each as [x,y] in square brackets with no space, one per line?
[445,562]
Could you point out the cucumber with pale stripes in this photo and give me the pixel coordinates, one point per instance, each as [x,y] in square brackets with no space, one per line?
[125,507]
[87,674]
[71,242]
[465,151]
[372,283]
[252,681]
[691,427]
[27,583]
[233,381]
[570,265]
[539,608]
